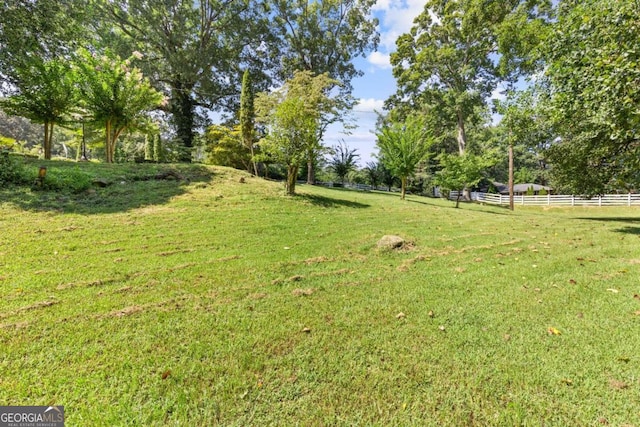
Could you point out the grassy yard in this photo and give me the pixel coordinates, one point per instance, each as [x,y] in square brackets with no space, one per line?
[215,302]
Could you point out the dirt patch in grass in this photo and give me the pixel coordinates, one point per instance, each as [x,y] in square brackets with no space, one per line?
[409,262]
[174,252]
[340,272]
[316,260]
[127,311]
[34,306]
[88,284]
[302,292]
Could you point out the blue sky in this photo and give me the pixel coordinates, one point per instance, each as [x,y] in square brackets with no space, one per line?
[377,84]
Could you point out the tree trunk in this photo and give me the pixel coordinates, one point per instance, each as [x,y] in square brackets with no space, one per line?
[48,137]
[183,111]
[462,145]
[311,175]
[292,177]
[253,162]
[404,187]
[107,142]
[511,176]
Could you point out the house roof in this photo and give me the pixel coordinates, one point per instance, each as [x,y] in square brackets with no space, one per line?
[519,188]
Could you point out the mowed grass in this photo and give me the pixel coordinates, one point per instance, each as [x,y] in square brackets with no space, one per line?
[216,302]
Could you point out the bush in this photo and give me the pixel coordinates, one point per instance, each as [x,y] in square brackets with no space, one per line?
[67,179]
[11,171]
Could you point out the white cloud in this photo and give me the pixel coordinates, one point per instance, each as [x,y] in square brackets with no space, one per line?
[381,60]
[369,105]
[396,18]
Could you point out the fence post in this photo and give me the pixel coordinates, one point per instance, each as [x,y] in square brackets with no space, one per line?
[599,201]
[629,199]
[573,200]
[548,199]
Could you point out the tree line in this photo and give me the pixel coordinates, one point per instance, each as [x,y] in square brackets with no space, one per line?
[280,72]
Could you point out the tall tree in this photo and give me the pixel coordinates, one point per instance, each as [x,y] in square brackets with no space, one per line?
[45,94]
[402,146]
[324,37]
[43,29]
[447,62]
[343,161]
[116,95]
[194,50]
[593,87]
[247,118]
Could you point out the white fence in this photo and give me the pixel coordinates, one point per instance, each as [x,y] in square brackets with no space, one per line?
[556,200]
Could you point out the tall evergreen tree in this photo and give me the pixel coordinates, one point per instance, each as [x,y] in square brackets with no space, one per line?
[247,117]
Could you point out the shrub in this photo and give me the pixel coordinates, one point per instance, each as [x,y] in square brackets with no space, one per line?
[11,171]
[67,179]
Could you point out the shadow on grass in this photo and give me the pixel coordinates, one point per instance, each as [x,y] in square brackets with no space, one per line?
[330,202]
[123,193]
[629,229]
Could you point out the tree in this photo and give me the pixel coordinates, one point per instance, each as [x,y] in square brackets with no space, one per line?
[46,94]
[43,30]
[115,95]
[324,37]
[343,160]
[402,146]
[592,84]
[225,147]
[311,94]
[459,172]
[247,118]
[194,50]
[373,174]
[291,128]
[447,63]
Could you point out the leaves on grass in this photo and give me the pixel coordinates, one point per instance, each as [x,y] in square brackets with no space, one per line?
[567,381]
[295,278]
[431,314]
[442,328]
[400,316]
[572,281]
[306,330]
[636,296]
[613,291]
[553,331]
[166,374]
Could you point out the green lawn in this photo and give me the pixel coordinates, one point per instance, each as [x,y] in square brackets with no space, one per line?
[215,302]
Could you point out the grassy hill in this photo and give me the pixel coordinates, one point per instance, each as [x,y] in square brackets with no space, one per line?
[205,301]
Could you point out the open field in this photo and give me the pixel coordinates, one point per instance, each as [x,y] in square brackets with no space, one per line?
[215,302]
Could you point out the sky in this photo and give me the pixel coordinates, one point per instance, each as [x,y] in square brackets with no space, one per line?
[377,84]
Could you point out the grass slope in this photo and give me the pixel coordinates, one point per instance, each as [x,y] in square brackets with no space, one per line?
[217,302]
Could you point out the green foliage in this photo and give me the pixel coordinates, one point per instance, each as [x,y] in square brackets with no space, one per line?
[530,191]
[402,147]
[116,95]
[11,171]
[460,171]
[343,161]
[196,51]
[543,192]
[247,119]
[593,95]
[71,180]
[292,116]
[46,94]
[446,66]
[225,147]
